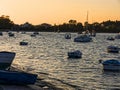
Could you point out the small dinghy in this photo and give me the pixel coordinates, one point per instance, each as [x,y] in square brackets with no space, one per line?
[113,49]
[110,38]
[111,65]
[67,36]
[75,54]
[23,43]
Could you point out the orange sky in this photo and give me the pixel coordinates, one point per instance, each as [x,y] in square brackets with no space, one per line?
[59,11]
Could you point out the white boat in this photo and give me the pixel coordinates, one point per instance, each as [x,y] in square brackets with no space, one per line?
[112,65]
[113,49]
[83,38]
[75,54]
[6,59]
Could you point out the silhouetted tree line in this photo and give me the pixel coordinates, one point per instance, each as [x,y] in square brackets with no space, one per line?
[5,22]
[72,26]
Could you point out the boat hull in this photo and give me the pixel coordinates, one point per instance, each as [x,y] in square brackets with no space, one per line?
[5,66]
[6,59]
[23,43]
[113,51]
[17,78]
[83,38]
[111,67]
[75,54]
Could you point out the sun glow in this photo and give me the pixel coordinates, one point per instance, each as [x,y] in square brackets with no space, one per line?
[59,11]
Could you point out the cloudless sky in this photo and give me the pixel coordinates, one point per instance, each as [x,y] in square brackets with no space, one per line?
[60,11]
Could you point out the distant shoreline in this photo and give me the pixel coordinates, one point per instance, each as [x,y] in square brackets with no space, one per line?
[7,30]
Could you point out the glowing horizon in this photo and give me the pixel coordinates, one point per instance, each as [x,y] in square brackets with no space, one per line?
[59,11]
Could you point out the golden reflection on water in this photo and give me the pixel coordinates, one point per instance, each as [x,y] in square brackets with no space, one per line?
[47,53]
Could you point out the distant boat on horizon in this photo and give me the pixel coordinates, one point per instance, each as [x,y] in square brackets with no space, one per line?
[117,36]
[75,54]
[113,49]
[67,36]
[23,43]
[83,38]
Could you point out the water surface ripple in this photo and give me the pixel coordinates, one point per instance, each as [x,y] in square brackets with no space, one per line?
[47,53]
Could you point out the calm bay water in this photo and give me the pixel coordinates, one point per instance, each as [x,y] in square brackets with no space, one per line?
[47,53]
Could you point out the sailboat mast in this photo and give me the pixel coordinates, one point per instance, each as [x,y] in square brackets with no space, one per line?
[87,17]
[87,21]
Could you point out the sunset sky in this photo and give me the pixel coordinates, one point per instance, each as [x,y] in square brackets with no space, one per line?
[59,11]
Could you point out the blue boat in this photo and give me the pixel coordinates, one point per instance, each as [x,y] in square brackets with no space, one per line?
[113,49]
[6,59]
[75,54]
[111,65]
[17,78]
[23,43]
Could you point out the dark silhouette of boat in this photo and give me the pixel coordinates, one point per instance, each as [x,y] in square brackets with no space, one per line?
[67,36]
[23,43]
[17,78]
[113,49]
[6,59]
[111,65]
[75,54]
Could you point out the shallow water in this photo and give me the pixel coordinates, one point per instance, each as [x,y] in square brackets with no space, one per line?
[47,53]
